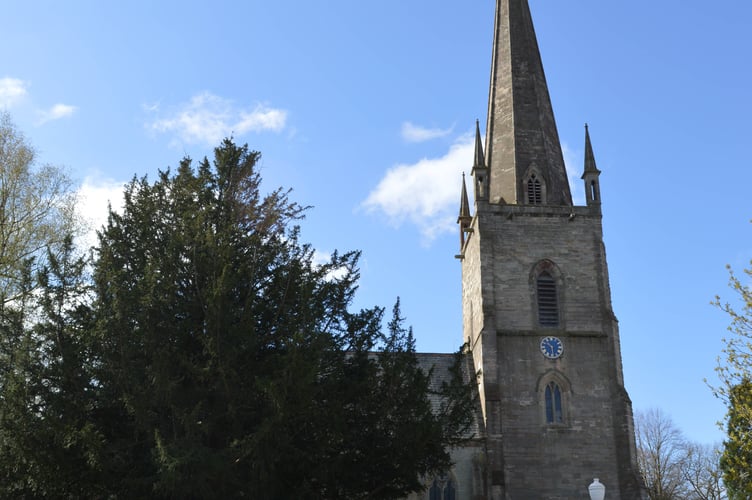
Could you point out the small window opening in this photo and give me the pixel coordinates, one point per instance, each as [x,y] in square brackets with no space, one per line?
[548,304]
[534,190]
[593,192]
[554,415]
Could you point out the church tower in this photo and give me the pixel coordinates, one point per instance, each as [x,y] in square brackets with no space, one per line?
[537,311]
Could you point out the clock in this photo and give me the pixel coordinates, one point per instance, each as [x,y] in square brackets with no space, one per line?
[551,347]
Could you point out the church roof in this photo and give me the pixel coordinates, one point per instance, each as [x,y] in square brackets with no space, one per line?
[441,365]
[521,134]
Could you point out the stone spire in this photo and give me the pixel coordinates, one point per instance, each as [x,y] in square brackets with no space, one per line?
[521,135]
[480,170]
[591,174]
[589,156]
[464,217]
[479,159]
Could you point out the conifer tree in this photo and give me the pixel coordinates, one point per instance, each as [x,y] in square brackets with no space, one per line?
[736,460]
[49,443]
[230,364]
[735,373]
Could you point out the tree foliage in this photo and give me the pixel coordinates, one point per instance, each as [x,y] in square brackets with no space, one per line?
[36,210]
[734,371]
[208,355]
[736,460]
[231,362]
[46,439]
[49,444]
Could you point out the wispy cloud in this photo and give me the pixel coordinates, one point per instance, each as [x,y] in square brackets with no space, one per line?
[416,133]
[208,118]
[56,112]
[12,90]
[425,193]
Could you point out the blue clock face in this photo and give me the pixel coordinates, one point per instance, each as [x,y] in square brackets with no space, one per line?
[551,347]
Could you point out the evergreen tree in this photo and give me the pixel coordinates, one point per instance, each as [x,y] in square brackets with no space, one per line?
[736,460]
[229,364]
[735,374]
[49,445]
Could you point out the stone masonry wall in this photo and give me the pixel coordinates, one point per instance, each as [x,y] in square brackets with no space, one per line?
[527,457]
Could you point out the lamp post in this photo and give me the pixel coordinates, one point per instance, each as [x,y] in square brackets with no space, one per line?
[597,490]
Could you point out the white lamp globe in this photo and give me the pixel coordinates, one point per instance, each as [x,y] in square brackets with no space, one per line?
[597,490]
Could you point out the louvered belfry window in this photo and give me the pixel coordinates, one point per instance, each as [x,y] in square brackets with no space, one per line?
[534,190]
[548,303]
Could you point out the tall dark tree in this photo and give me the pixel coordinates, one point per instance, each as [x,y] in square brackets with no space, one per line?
[230,363]
[49,444]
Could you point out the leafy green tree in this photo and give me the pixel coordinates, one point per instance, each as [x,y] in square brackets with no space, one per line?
[735,373]
[36,210]
[230,365]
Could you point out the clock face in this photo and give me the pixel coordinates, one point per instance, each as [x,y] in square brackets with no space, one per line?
[551,347]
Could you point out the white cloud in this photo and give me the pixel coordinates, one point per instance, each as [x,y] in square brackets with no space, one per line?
[416,133]
[55,113]
[260,119]
[426,193]
[94,195]
[208,118]
[323,258]
[12,90]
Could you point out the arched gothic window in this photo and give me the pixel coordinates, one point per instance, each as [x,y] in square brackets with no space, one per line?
[442,488]
[534,190]
[548,300]
[554,412]
[434,493]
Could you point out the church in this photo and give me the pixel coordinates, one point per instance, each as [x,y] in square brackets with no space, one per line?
[553,412]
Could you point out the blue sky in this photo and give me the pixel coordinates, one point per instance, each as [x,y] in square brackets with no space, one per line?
[365,110]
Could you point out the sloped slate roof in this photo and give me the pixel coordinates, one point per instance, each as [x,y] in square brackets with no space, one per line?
[441,364]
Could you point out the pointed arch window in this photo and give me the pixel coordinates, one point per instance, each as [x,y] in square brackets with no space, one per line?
[548,300]
[534,190]
[442,488]
[434,493]
[554,412]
